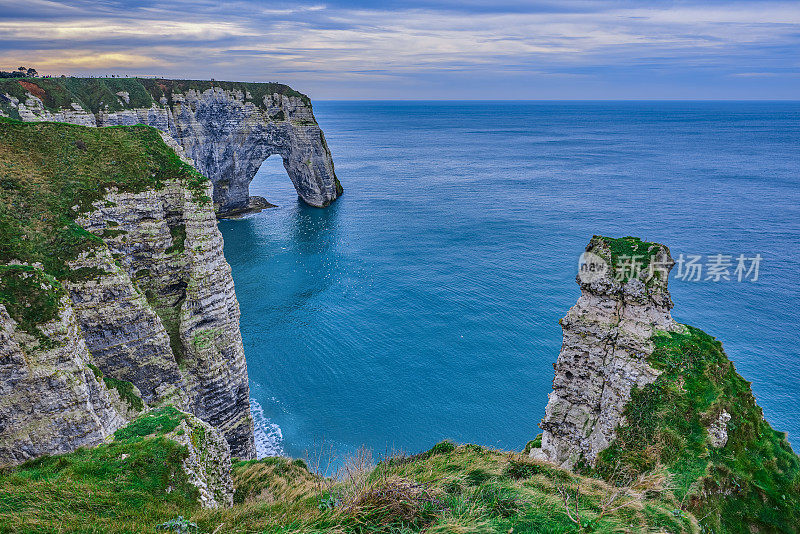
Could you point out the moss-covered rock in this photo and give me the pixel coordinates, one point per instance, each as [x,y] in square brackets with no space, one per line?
[208,460]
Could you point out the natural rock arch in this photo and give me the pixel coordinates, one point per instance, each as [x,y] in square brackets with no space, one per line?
[227,128]
[229,137]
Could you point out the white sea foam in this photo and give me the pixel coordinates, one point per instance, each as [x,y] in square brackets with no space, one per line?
[268,436]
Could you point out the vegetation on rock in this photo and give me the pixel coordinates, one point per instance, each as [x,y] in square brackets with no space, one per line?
[100,94]
[50,173]
[751,484]
[158,87]
[629,257]
[125,389]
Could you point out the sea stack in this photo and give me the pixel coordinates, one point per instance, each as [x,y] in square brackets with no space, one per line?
[607,339]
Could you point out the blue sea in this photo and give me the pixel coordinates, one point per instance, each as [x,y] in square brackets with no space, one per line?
[423,304]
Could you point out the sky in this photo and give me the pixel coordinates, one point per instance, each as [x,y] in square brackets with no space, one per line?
[418,50]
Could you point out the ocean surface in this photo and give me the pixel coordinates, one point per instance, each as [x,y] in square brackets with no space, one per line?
[423,305]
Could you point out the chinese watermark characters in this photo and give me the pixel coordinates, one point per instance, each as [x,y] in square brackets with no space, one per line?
[717,268]
[688,267]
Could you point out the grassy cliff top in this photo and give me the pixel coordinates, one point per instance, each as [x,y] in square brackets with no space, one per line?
[627,254]
[137,477]
[94,94]
[466,489]
[751,484]
[50,173]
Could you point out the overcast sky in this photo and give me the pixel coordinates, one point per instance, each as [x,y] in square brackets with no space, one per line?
[444,49]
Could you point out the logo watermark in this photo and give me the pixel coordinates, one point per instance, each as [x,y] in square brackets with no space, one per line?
[687,267]
[591,267]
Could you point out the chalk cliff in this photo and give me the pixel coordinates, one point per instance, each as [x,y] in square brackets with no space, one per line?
[113,287]
[50,400]
[638,397]
[227,128]
[607,339]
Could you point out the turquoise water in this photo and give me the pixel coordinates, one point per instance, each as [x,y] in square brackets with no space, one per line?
[424,304]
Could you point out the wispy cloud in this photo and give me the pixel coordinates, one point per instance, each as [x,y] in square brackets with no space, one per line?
[338,47]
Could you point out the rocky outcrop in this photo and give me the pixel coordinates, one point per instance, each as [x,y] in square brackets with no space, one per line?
[50,400]
[166,318]
[606,342]
[718,431]
[208,463]
[227,128]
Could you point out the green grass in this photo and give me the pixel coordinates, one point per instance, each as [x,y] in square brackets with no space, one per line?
[466,489]
[622,252]
[178,234]
[128,485]
[95,94]
[50,173]
[447,489]
[751,482]
[160,421]
[30,296]
[123,387]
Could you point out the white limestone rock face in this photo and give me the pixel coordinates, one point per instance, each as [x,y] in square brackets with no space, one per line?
[228,135]
[50,400]
[208,464]
[164,316]
[606,342]
[718,431]
[152,303]
[123,332]
[33,109]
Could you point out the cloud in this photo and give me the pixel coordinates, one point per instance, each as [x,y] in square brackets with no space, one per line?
[127,30]
[427,42]
[104,60]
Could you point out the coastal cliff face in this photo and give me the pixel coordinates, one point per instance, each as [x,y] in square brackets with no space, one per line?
[140,306]
[638,397]
[607,339]
[167,319]
[50,400]
[227,128]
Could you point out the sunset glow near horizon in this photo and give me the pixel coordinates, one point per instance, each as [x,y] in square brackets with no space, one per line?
[424,49]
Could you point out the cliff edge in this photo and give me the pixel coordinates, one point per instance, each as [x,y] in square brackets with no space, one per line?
[114,292]
[227,128]
[638,396]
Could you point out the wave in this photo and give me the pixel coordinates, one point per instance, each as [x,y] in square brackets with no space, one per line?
[268,436]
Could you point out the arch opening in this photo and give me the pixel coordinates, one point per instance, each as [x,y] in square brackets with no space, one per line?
[273,183]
